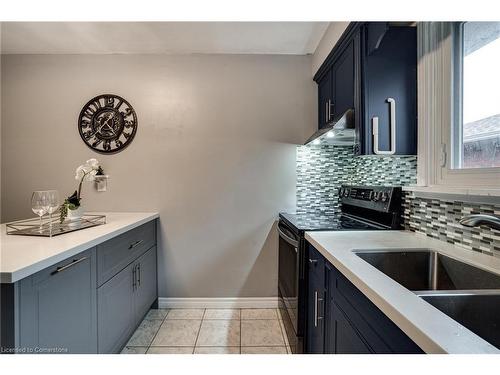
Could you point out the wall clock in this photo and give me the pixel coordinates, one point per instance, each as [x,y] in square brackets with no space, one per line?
[107,123]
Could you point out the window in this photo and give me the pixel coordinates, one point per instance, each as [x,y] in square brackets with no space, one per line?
[459,107]
[476,125]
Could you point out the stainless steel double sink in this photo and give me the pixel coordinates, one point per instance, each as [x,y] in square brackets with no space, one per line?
[467,294]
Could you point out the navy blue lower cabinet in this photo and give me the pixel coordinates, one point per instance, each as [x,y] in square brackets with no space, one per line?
[343,338]
[315,302]
[350,323]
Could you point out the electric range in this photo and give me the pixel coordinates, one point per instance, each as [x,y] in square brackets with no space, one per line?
[362,208]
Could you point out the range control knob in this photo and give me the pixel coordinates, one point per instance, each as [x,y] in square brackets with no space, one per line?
[346,192]
[385,197]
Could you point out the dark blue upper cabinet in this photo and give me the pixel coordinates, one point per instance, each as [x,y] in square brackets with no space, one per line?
[389,60]
[343,82]
[336,87]
[373,69]
[324,99]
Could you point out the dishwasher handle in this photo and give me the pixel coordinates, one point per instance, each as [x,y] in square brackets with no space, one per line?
[287,238]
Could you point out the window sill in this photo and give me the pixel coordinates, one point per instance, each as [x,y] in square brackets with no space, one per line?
[461,194]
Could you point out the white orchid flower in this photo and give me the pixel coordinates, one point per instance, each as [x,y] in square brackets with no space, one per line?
[87,170]
[81,171]
[93,163]
[91,175]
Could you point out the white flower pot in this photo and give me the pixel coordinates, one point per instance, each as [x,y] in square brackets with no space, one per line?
[75,214]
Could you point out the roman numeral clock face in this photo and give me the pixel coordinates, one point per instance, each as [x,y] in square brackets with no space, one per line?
[107,124]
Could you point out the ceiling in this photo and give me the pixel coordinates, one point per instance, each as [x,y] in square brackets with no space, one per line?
[287,38]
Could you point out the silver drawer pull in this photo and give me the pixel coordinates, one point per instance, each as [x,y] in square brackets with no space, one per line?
[134,285]
[317,300]
[136,243]
[312,261]
[139,274]
[74,262]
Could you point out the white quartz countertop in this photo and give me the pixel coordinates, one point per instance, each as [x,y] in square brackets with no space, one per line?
[428,327]
[22,256]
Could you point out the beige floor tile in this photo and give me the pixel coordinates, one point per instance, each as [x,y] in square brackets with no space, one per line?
[186,314]
[177,333]
[259,314]
[222,314]
[156,314]
[219,333]
[263,350]
[217,350]
[134,350]
[144,333]
[261,333]
[279,314]
[170,350]
[283,332]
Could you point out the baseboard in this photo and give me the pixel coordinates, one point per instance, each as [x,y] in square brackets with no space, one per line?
[218,303]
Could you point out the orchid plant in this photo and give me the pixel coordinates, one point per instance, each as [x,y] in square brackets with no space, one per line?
[85,172]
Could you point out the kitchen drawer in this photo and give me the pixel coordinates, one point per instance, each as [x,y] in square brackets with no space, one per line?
[116,253]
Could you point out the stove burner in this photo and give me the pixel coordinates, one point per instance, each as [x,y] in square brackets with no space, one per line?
[310,222]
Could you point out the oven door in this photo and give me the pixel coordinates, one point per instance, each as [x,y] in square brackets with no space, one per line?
[288,274]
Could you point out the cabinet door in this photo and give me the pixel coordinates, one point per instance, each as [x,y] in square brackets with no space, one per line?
[343,82]
[379,333]
[58,307]
[324,99]
[345,338]
[390,71]
[315,303]
[116,314]
[146,292]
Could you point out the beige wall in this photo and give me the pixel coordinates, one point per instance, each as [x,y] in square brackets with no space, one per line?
[214,154]
[325,46]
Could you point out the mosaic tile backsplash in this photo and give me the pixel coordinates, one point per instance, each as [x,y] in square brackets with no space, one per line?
[439,218]
[322,169]
[320,172]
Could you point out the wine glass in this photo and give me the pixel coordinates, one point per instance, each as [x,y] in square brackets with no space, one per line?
[53,197]
[40,204]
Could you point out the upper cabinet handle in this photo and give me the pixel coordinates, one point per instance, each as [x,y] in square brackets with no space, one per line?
[392,150]
[330,105]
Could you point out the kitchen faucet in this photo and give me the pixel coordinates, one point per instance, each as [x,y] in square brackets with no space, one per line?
[491,221]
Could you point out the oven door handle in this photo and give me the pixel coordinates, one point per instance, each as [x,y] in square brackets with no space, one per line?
[288,239]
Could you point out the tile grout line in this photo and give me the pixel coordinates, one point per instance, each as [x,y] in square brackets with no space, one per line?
[281,330]
[199,330]
[156,334]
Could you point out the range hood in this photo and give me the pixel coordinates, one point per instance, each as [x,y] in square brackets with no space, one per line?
[339,132]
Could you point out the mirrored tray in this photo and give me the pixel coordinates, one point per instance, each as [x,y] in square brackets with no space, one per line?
[51,228]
